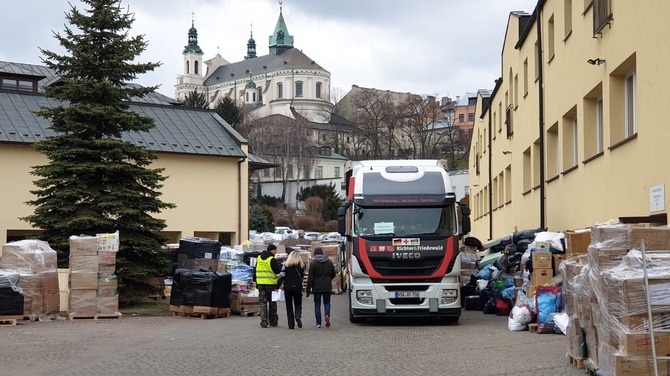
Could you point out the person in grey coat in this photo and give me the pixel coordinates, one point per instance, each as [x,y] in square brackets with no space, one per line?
[321,273]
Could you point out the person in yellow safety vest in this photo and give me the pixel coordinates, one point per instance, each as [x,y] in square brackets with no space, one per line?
[265,276]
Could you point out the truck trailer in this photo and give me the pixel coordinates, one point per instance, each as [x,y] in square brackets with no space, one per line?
[401,225]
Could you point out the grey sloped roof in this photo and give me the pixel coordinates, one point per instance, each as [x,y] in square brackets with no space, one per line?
[50,77]
[178,129]
[292,58]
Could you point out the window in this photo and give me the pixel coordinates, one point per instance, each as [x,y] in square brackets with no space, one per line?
[601,15]
[550,38]
[471,116]
[516,91]
[537,63]
[631,109]
[508,184]
[553,152]
[536,163]
[277,172]
[567,14]
[472,101]
[527,172]
[195,67]
[280,90]
[20,85]
[525,77]
[260,95]
[599,125]
[461,118]
[592,123]
[253,96]
[319,172]
[289,171]
[247,96]
[266,172]
[187,66]
[298,89]
[508,122]
[318,89]
[570,138]
[337,172]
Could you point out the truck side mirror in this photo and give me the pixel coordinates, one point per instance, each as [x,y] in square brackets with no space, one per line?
[342,220]
[465,219]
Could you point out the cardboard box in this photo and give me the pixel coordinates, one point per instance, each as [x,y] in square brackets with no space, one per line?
[28,256]
[107,305]
[107,282]
[83,281]
[640,322]
[106,257]
[87,264]
[83,246]
[542,276]
[637,366]
[577,241]
[541,260]
[558,259]
[655,238]
[610,236]
[640,344]
[82,303]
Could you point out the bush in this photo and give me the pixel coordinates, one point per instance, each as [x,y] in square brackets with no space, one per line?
[331,226]
[314,205]
[283,222]
[305,222]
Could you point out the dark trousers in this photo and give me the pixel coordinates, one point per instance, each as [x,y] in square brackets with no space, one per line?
[293,299]
[267,306]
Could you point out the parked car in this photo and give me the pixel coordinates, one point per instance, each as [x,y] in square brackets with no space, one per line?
[312,236]
[332,237]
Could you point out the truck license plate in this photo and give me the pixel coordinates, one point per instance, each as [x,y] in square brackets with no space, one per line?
[406,294]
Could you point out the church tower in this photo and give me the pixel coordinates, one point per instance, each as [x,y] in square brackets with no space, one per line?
[280,40]
[192,79]
[251,47]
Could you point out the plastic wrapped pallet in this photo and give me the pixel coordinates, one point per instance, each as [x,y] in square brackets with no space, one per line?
[195,247]
[28,256]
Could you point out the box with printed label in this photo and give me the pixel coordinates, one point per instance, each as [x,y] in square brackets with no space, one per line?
[542,276]
[542,260]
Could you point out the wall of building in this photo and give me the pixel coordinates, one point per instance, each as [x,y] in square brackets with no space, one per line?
[597,185]
[204,188]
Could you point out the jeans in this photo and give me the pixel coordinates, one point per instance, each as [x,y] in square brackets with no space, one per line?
[293,298]
[317,305]
[267,306]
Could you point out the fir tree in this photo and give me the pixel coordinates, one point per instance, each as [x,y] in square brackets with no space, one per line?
[229,111]
[94,182]
[195,100]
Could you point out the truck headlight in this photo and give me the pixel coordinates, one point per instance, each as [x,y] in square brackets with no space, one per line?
[364,296]
[449,296]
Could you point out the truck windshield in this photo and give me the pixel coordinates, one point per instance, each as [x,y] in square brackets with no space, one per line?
[384,221]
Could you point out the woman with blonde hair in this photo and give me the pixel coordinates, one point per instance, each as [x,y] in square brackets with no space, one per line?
[291,276]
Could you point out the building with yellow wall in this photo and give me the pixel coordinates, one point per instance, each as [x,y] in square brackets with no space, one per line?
[574,131]
[206,161]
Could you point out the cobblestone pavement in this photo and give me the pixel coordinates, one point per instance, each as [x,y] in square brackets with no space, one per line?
[478,345]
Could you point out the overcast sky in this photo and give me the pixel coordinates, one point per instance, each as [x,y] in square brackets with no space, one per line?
[434,47]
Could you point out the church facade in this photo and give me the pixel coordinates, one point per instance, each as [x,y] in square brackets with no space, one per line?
[265,85]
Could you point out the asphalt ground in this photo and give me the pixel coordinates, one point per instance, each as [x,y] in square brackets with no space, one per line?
[478,345]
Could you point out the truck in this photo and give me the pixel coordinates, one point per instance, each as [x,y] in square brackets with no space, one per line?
[400,220]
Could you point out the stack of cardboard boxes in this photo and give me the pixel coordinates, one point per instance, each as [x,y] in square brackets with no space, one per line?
[36,263]
[93,284]
[607,304]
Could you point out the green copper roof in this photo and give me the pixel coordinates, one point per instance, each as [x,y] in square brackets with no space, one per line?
[192,41]
[280,38]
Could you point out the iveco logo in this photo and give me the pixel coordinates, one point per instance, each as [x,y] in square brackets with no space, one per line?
[406,255]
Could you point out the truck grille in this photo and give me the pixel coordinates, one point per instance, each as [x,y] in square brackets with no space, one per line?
[390,268]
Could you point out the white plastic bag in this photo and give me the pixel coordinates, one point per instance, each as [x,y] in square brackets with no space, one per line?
[278,296]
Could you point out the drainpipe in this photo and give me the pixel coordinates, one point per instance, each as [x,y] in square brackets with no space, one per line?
[240,237]
[541,113]
[490,173]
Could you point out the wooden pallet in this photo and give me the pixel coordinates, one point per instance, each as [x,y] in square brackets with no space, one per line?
[248,310]
[10,320]
[577,362]
[117,316]
[202,312]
